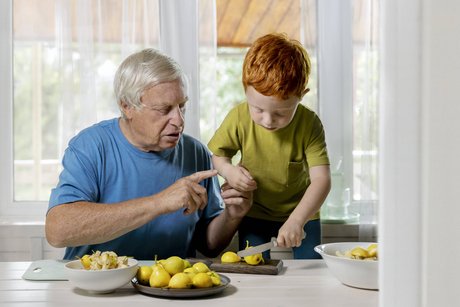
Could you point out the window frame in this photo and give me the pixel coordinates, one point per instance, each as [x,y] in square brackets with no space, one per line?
[10,209]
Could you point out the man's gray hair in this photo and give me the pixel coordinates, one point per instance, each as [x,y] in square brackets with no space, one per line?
[141,71]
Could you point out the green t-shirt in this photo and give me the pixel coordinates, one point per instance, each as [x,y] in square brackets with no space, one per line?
[277,160]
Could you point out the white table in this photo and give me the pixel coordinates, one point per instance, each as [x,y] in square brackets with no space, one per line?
[301,283]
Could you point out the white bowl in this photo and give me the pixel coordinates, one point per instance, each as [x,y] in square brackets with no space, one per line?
[351,272]
[100,281]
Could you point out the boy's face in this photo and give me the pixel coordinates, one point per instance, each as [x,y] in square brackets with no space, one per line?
[270,112]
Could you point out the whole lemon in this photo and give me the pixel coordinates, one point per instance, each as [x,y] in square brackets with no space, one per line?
[186,264]
[201,267]
[159,278]
[180,281]
[143,274]
[214,277]
[230,257]
[190,272]
[173,265]
[202,280]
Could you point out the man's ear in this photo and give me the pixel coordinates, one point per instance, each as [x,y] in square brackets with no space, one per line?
[126,109]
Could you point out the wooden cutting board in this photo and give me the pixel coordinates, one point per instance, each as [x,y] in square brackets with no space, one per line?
[272,267]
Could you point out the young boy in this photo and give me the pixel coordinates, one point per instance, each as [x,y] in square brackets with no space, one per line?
[284,159]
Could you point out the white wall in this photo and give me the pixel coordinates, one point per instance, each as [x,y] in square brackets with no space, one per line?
[420,144]
[441,152]
[25,242]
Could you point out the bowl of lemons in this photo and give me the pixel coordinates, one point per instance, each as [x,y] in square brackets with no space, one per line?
[101,272]
[354,264]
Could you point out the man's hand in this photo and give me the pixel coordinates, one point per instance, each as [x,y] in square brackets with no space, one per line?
[186,193]
[237,203]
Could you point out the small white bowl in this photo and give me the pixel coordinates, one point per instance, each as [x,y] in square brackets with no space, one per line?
[100,281]
[351,272]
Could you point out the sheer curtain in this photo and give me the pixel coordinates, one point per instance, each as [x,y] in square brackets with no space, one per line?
[64,68]
[365,113]
[348,107]
[309,38]
[188,34]
[92,37]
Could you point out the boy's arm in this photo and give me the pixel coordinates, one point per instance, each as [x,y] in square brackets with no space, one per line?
[290,234]
[237,176]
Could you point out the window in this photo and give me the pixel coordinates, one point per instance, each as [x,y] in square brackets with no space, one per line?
[62,83]
[64,56]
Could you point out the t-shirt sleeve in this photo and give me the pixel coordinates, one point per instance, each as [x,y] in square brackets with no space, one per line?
[78,179]
[225,141]
[316,150]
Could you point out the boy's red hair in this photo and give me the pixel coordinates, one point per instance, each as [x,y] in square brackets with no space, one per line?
[277,66]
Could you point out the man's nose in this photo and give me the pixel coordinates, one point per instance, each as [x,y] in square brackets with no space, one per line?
[177,116]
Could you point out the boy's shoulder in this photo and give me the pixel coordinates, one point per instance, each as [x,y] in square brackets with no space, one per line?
[305,112]
[239,111]
[241,107]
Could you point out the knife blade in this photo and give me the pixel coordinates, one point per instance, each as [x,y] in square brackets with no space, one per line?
[257,249]
[261,248]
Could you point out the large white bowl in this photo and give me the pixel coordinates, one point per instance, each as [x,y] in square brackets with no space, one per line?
[100,281]
[351,272]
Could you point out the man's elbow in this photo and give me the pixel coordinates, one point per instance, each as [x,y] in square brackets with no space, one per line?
[53,234]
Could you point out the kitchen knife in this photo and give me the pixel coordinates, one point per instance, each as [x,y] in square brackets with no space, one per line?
[257,249]
[261,248]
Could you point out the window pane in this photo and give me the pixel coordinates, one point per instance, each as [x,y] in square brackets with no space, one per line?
[365,100]
[65,56]
[240,23]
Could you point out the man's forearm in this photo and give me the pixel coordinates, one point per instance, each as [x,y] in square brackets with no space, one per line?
[84,223]
[220,232]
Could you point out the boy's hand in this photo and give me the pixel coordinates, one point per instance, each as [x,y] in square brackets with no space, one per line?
[290,235]
[237,203]
[239,178]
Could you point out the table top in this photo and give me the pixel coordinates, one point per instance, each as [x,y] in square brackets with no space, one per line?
[300,283]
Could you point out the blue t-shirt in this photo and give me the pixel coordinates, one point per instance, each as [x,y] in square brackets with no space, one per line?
[101,166]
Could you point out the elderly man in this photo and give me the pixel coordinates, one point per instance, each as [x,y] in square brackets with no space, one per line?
[137,185]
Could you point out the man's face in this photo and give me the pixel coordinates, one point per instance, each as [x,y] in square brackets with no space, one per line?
[270,112]
[158,125]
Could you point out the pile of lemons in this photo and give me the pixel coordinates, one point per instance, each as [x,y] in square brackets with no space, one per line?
[360,253]
[177,273]
[103,261]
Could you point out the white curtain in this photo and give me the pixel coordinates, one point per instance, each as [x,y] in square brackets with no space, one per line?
[66,53]
[187,33]
[92,37]
[348,107]
[365,113]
